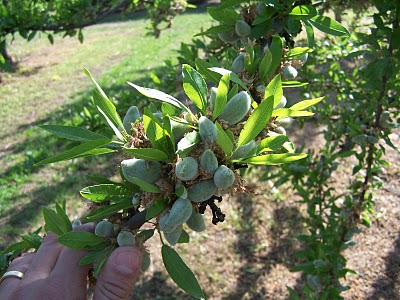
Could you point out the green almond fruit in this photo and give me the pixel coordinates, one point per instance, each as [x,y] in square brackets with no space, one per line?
[173,236]
[372,139]
[242,29]
[180,212]
[202,191]
[228,37]
[196,222]
[130,117]
[179,130]
[76,223]
[236,109]
[162,222]
[159,116]
[187,168]
[148,171]
[213,96]
[361,139]
[224,177]
[384,118]
[207,130]
[285,122]
[247,150]
[281,103]
[289,72]
[146,262]
[104,229]
[238,64]
[303,58]
[280,130]
[136,199]
[126,238]
[188,142]
[260,8]
[208,161]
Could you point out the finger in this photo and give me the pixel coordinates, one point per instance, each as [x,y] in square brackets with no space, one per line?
[119,274]
[20,264]
[45,258]
[68,269]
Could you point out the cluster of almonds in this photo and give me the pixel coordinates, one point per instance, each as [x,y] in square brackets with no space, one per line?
[197,175]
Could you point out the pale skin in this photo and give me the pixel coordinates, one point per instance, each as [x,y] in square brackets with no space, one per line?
[53,272]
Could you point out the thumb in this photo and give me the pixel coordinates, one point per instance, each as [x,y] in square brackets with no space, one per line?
[119,274]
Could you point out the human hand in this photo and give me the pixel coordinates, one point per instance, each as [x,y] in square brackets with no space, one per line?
[53,272]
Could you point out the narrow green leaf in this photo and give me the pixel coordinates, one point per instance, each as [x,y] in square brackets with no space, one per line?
[74,152]
[100,263]
[234,90]
[293,83]
[329,26]
[231,3]
[98,88]
[310,33]
[144,235]
[79,239]
[147,187]
[184,238]
[215,30]
[14,250]
[73,133]
[195,87]
[161,96]
[153,128]
[274,159]
[298,51]
[147,153]
[265,65]
[96,255]
[98,151]
[257,121]
[223,139]
[272,143]
[108,210]
[60,209]
[168,109]
[306,104]
[287,112]
[102,192]
[180,272]
[303,12]
[265,16]
[33,240]
[227,16]
[203,68]
[53,222]
[157,207]
[222,96]
[276,50]
[274,88]
[106,118]
[232,76]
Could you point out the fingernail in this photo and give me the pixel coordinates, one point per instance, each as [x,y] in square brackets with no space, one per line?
[127,262]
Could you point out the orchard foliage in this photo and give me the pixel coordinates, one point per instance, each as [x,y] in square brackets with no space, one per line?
[179,160]
[69,17]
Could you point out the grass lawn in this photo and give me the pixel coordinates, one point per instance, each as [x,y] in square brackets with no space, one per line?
[51,88]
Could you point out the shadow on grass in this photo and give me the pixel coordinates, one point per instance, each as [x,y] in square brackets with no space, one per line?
[287,225]
[26,187]
[156,287]
[388,285]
